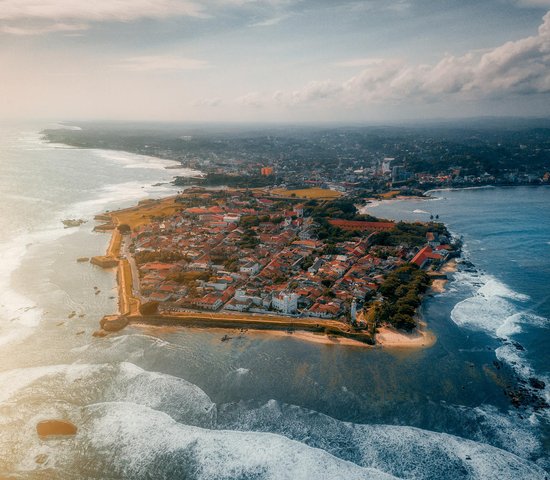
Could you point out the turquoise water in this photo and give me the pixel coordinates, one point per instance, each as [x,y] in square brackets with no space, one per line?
[160,403]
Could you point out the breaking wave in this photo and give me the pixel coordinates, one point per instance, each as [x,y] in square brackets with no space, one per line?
[135,424]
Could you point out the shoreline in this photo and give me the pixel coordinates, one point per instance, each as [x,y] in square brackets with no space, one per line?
[438,284]
[389,337]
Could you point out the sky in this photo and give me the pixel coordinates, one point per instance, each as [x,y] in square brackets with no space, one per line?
[273,60]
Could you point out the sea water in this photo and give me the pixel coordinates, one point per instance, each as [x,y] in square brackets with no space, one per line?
[179,403]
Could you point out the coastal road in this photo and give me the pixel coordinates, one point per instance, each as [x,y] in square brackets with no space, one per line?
[125,253]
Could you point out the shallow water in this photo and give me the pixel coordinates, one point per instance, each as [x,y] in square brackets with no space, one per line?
[169,403]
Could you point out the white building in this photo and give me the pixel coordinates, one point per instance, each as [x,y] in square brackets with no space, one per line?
[285,302]
[252,268]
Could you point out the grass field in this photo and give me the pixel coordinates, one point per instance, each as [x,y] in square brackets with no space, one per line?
[142,214]
[388,195]
[308,193]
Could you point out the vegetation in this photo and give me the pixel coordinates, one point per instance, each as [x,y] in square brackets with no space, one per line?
[188,277]
[407,234]
[309,193]
[402,290]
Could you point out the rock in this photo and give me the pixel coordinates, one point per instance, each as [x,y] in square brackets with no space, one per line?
[83,259]
[113,323]
[54,428]
[73,222]
[40,459]
[79,333]
[518,346]
[72,314]
[99,333]
[536,383]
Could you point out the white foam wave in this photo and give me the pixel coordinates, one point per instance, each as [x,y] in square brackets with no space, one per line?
[19,314]
[135,160]
[82,384]
[492,307]
[418,210]
[405,452]
[140,441]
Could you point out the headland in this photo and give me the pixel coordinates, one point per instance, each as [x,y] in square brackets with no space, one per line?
[259,260]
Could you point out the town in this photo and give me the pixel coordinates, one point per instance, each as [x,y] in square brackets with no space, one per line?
[270,252]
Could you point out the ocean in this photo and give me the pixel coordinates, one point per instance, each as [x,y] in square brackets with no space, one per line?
[179,403]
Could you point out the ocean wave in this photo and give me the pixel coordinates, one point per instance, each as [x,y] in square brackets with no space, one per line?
[134,424]
[421,211]
[84,384]
[134,160]
[492,306]
[133,441]
[405,452]
[19,314]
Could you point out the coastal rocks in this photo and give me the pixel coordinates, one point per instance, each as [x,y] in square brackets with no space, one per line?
[104,227]
[72,222]
[536,383]
[55,428]
[100,333]
[113,323]
[104,262]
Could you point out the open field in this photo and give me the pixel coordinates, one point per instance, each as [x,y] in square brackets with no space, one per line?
[145,211]
[388,195]
[308,193]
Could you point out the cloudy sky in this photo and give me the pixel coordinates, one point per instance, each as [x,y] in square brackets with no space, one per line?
[273,60]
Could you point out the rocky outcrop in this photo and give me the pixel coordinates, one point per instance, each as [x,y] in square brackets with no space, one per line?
[104,227]
[104,262]
[73,222]
[54,428]
[113,323]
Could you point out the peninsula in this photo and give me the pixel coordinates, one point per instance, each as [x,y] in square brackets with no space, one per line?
[269,259]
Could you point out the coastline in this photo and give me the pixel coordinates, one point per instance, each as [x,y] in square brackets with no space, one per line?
[389,337]
[438,284]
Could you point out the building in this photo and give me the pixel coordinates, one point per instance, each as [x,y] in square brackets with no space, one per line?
[425,256]
[285,302]
[266,171]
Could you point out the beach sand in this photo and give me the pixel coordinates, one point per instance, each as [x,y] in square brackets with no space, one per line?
[438,286]
[392,338]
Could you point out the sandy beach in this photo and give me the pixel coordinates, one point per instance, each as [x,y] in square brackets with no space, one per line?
[392,338]
[438,285]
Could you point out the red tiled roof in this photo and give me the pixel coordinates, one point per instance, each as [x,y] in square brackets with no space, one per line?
[425,254]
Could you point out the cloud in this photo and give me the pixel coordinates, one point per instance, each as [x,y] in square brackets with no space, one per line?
[270,21]
[207,102]
[252,99]
[360,62]
[520,67]
[36,17]
[97,10]
[41,30]
[161,63]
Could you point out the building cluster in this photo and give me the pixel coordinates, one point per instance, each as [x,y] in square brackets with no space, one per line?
[244,251]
